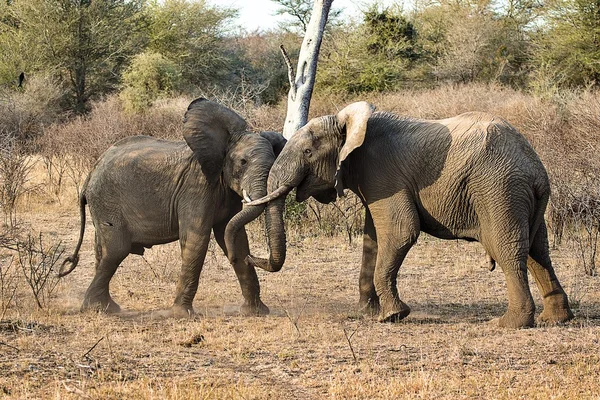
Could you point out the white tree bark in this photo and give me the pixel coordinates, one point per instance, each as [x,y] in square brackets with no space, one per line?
[301,85]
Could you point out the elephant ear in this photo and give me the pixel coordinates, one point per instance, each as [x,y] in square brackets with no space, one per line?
[276,139]
[208,127]
[354,118]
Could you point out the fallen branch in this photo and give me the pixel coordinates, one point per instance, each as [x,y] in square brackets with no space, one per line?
[9,345]
[348,339]
[92,348]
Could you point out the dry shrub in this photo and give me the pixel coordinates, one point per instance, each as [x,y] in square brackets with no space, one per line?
[15,169]
[24,113]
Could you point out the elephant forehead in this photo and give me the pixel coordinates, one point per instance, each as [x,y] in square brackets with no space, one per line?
[251,145]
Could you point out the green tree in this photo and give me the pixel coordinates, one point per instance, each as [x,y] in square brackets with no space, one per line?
[300,12]
[379,54]
[567,46]
[85,43]
[467,41]
[192,34]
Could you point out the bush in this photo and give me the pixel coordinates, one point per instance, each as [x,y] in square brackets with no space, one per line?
[25,112]
[150,77]
[15,169]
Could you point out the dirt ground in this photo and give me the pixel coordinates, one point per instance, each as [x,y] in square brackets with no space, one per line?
[313,345]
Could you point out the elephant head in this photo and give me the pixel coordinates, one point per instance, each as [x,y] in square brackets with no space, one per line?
[311,162]
[228,153]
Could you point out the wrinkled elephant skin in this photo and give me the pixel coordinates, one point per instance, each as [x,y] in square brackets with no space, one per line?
[472,177]
[145,191]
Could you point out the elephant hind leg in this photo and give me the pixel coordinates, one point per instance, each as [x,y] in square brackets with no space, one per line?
[510,252]
[556,303]
[110,252]
[521,308]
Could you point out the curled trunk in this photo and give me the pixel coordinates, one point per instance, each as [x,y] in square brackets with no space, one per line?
[245,216]
[275,237]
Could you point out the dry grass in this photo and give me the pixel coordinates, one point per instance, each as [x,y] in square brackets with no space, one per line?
[444,349]
[314,344]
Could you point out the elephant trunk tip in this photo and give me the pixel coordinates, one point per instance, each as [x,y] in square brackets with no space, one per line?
[262,263]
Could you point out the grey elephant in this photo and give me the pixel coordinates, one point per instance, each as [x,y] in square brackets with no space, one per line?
[472,177]
[145,191]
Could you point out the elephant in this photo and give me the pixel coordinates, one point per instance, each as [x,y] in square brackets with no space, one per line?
[472,177]
[145,191]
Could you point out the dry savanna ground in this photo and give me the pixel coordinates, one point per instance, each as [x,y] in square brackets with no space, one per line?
[313,344]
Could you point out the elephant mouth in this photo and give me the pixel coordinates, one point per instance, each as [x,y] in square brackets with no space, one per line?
[326,197]
[321,191]
[302,191]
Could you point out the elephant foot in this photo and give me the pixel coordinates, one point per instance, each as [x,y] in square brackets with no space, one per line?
[556,310]
[103,304]
[515,320]
[253,309]
[369,307]
[106,306]
[179,311]
[394,314]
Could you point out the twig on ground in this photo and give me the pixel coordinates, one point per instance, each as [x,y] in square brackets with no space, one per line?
[294,321]
[348,339]
[9,345]
[92,348]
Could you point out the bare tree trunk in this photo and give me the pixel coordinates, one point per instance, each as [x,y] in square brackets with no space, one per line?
[301,85]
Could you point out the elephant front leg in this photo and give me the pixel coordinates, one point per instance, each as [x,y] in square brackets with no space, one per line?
[245,273]
[369,301]
[398,228]
[389,260]
[194,246]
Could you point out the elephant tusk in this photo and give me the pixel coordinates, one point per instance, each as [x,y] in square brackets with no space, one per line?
[246,197]
[280,191]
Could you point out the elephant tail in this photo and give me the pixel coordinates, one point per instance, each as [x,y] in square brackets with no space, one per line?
[74,259]
[541,188]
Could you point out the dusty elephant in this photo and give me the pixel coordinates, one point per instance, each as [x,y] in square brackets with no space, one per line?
[145,191]
[470,177]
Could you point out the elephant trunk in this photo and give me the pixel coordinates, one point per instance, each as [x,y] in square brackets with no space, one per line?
[244,217]
[279,185]
[241,219]
[275,237]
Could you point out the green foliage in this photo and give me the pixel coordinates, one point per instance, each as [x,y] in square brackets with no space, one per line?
[149,77]
[294,212]
[85,44]
[390,34]
[300,12]
[567,47]
[377,55]
[192,35]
